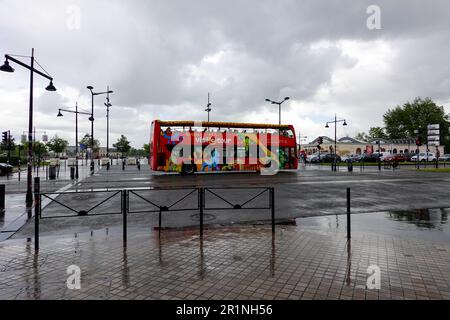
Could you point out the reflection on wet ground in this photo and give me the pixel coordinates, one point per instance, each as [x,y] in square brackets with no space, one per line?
[310,260]
[426,224]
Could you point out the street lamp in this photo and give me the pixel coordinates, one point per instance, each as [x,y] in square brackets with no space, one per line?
[279,106]
[76,131]
[92,120]
[108,105]
[335,121]
[208,107]
[7,68]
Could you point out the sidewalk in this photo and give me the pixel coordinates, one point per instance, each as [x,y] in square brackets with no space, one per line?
[239,262]
[15,210]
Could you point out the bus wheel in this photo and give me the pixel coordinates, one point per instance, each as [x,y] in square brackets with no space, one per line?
[188,169]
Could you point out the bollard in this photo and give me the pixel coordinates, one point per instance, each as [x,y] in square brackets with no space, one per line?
[272,207]
[72,173]
[123,165]
[37,207]
[2,199]
[124,213]
[348,215]
[52,173]
[201,199]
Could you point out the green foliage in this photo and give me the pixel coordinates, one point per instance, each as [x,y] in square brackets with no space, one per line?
[377,132]
[401,122]
[122,145]
[87,141]
[57,145]
[362,136]
[146,148]
[39,149]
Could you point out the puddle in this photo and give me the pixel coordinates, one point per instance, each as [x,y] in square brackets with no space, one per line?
[427,224]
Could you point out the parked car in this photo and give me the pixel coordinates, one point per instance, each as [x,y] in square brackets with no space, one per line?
[329,158]
[399,157]
[312,157]
[351,158]
[445,157]
[423,157]
[5,168]
[370,157]
[383,155]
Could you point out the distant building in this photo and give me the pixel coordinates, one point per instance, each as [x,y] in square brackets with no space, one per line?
[348,145]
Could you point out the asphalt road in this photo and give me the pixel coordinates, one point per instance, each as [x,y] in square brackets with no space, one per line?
[307,192]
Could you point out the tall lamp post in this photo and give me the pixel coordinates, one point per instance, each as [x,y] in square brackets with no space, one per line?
[76,131]
[108,105]
[279,106]
[335,121]
[7,68]
[208,107]
[92,121]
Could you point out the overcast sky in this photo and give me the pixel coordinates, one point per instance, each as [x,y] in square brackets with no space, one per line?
[161,58]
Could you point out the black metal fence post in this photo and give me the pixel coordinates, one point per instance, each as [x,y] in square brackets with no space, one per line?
[348,215]
[37,206]
[272,207]
[2,199]
[159,222]
[124,213]
[201,199]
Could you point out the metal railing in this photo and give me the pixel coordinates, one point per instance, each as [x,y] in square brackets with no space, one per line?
[201,204]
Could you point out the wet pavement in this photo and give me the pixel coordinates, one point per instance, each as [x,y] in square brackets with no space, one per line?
[307,192]
[397,225]
[239,262]
[16,214]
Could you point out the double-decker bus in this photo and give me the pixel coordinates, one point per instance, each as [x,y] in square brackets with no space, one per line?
[189,147]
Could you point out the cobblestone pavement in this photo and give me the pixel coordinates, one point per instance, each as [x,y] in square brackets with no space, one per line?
[236,262]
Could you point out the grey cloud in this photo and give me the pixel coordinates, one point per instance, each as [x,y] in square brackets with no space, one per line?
[147,52]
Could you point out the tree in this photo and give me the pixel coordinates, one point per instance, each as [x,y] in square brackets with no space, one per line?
[57,145]
[146,148]
[401,122]
[362,136]
[122,145]
[377,132]
[39,149]
[87,142]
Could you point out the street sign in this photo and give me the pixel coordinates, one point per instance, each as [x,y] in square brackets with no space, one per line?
[433,143]
[433,127]
[433,138]
[434,132]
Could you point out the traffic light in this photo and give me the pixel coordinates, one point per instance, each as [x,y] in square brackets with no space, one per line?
[320,140]
[418,141]
[5,137]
